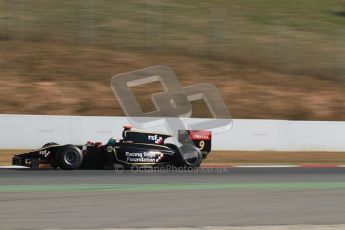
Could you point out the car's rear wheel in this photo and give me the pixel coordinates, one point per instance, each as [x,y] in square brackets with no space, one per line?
[70,157]
[179,161]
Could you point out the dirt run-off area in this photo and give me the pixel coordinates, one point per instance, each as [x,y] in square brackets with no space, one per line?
[268,59]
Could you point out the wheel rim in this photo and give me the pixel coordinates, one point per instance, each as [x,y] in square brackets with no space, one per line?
[71,158]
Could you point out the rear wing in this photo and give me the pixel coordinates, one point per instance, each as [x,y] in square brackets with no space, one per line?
[202,139]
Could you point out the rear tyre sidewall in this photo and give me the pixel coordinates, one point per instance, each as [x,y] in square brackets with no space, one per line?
[178,161]
[70,157]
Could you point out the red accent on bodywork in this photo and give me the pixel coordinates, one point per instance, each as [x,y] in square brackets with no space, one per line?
[159,140]
[98,144]
[200,135]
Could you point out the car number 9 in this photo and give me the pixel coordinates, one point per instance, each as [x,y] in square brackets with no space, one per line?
[201,145]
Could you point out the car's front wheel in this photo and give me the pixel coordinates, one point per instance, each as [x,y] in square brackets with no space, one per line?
[70,157]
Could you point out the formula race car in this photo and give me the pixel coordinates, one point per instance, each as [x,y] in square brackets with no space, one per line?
[135,149]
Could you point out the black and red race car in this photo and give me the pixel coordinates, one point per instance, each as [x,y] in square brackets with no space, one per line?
[135,149]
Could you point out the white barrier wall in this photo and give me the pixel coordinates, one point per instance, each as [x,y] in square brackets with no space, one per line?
[30,131]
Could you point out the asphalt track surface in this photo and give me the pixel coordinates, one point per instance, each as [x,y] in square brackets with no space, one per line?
[210,197]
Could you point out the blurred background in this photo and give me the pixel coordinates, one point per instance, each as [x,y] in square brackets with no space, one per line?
[272,59]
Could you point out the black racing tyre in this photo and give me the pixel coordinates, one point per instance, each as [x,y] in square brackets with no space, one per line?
[179,162]
[49,144]
[70,157]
